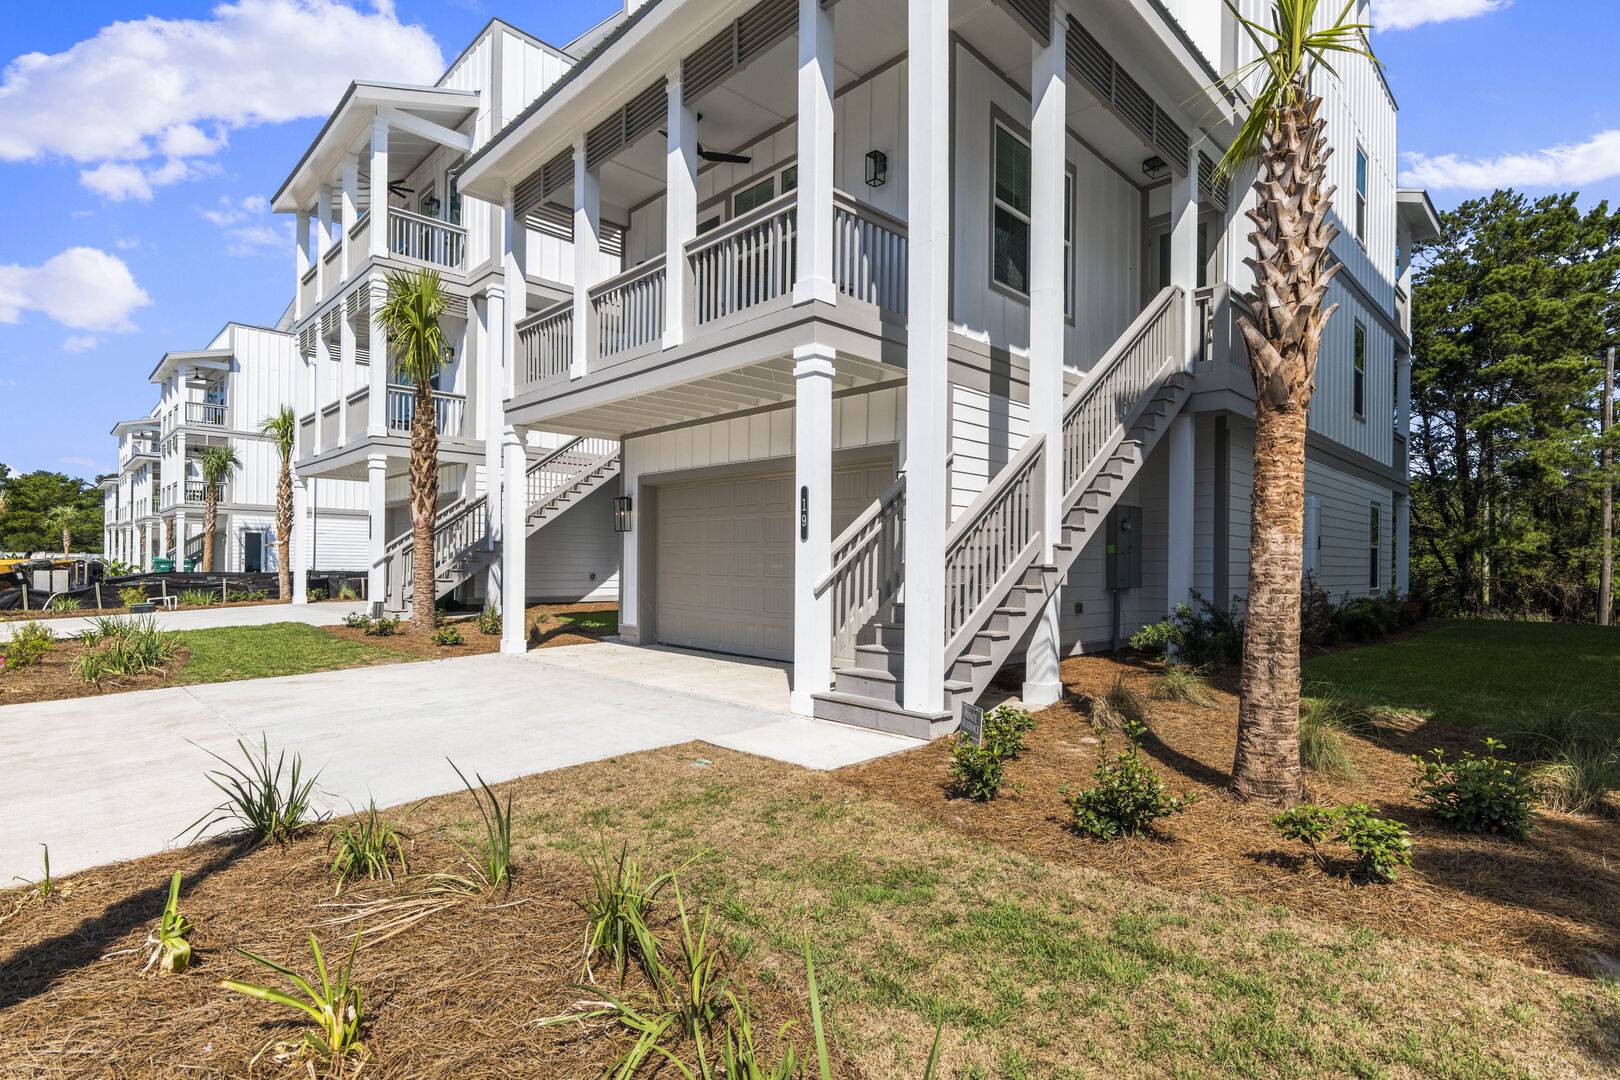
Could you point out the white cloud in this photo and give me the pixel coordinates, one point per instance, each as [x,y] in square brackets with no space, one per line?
[246,225]
[79,343]
[79,462]
[126,243]
[1565,166]
[82,288]
[144,102]
[1405,14]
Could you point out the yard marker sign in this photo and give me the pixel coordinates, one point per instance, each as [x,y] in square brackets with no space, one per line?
[972,724]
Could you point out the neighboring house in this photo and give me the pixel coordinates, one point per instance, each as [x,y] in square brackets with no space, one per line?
[378,191]
[112,529]
[221,396]
[914,375]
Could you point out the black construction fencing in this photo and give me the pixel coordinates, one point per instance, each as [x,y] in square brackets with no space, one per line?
[325,585]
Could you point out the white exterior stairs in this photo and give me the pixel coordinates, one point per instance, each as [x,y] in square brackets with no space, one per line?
[996,584]
[463,544]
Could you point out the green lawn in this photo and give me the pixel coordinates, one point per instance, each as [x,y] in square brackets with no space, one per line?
[1484,674]
[257,652]
[588,622]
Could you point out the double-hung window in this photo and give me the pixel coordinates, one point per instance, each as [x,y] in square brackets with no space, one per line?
[1358,377]
[1361,195]
[753,196]
[1372,548]
[1068,245]
[1010,204]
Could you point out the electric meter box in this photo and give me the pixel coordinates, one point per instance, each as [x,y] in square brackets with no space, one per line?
[1123,564]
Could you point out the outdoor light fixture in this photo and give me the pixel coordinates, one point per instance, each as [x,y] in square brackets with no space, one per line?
[877,168]
[621,514]
[430,207]
[1155,168]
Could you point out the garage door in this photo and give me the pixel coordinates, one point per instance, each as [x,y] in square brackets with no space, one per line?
[725,558]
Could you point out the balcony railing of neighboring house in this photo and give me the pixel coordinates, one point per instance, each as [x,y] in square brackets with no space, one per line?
[306,435]
[201,412]
[197,491]
[546,342]
[334,267]
[306,291]
[166,496]
[331,422]
[869,254]
[360,236]
[359,409]
[448,410]
[748,261]
[426,240]
[629,309]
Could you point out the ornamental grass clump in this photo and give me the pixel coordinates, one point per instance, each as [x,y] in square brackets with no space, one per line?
[130,595]
[170,940]
[1326,719]
[1121,709]
[618,913]
[61,605]
[28,645]
[1126,797]
[365,847]
[490,864]
[198,597]
[1577,757]
[123,645]
[1380,846]
[269,802]
[334,1004]
[1478,793]
[1190,686]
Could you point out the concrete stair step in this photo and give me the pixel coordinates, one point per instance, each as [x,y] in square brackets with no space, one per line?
[860,711]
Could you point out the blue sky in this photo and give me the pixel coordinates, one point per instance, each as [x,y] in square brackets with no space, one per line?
[136,216]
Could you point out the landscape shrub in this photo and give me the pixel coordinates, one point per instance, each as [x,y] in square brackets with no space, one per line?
[28,645]
[270,802]
[976,771]
[1005,728]
[1184,684]
[1204,638]
[123,645]
[357,620]
[60,605]
[366,847]
[130,595]
[1577,755]
[1477,793]
[1380,846]
[382,626]
[489,621]
[247,596]
[448,635]
[198,597]
[1125,798]
[1120,709]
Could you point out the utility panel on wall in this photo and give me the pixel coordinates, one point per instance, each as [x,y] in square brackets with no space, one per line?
[1123,565]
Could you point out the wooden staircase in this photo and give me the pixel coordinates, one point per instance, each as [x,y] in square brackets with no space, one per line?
[996,582]
[462,541]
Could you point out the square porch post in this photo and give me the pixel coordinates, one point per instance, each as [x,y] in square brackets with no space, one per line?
[813,369]
[377,583]
[815,191]
[323,240]
[299,546]
[376,355]
[490,312]
[515,552]
[180,529]
[587,259]
[300,263]
[351,213]
[1043,683]
[680,213]
[379,187]
[1179,440]
[928,70]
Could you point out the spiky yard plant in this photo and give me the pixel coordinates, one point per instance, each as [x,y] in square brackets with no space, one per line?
[282,428]
[618,910]
[217,463]
[270,802]
[170,940]
[368,847]
[1284,132]
[490,866]
[61,605]
[333,1003]
[45,887]
[418,351]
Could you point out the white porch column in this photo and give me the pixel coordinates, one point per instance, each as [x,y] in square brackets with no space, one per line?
[1403,544]
[514,555]
[680,213]
[815,192]
[514,268]
[812,463]
[377,355]
[351,212]
[1043,682]
[1179,440]
[379,187]
[1184,251]
[928,73]
[323,240]
[348,377]
[587,258]
[377,516]
[299,547]
[491,314]
[300,263]
[180,537]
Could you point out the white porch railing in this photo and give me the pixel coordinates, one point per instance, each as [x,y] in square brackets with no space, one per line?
[560,468]
[331,424]
[629,309]
[993,542]
[867,568]
[746,262]
[426,240]
[197,491]
[448,410]
[200,412]
[360,238]
[869,254]
[306,435]
[545,342]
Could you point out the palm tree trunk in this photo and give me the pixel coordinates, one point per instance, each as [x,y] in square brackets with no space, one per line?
[284,528]
[1293,232]
[424,506]
[67,540]
[210,511]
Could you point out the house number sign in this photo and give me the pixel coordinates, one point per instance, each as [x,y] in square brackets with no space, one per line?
[804,514]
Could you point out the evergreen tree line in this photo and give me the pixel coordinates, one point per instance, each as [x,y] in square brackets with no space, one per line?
[1513,310]
[29,502]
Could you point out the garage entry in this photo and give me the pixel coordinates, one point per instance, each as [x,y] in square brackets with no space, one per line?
[725,557]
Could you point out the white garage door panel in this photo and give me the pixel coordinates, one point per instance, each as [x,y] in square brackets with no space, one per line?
[725,558]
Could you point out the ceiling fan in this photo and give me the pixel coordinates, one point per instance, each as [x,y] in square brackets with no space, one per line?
[715,156]
[398,190]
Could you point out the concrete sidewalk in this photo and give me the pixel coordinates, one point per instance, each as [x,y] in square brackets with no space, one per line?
[107,778]
[327,613]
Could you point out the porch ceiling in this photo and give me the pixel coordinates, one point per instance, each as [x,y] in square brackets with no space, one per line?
[709,397]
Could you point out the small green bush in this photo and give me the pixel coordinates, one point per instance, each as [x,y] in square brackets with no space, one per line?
[1125,798]
[28,645]
[198,597]
[976,771]
[60,605]
[357,620]
[448,635]
[489,621]
[1206,638]
[1380,846]
[248,596]
[1005,728]
[382,626]
[1184,684]
[130,595]
[1477,793]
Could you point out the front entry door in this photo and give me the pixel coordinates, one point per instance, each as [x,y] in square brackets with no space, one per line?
[252,552]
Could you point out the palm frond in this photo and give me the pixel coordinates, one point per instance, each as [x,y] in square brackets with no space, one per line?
[282,428]
[417,345]
[218,462]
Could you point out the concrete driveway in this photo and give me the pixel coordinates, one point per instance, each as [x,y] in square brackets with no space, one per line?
[107,778]
[327,613]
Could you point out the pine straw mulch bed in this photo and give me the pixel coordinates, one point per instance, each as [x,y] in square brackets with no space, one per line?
[54,678]
[1553,900]
[92,612]
[456,994]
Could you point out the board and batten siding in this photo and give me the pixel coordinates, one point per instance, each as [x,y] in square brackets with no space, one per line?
[1087,584]
[1344,508]
[986,431]
[575,557]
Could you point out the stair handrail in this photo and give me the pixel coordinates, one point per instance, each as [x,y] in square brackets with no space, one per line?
[992,543]
[605,451]
[867,567]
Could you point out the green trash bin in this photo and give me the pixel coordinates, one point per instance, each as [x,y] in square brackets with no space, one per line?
[192,562]
[162,566]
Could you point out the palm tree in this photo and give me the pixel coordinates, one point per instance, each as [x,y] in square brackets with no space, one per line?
[1283,132]
[282,427]
[419,351]
[218,462]
[61,516]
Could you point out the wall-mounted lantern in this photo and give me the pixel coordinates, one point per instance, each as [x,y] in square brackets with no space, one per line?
[1156,168]
[622,507]
[430,206]
[877,168]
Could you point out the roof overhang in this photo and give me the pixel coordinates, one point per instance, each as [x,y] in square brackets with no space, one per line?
[107,482]
[349,128]
[209,359]
[130,427]
[1416,211]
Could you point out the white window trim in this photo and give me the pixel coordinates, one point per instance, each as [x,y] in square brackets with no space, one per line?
[999,121]
[1358,370]
[1361,181]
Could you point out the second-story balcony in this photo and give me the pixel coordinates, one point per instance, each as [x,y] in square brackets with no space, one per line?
[204,414]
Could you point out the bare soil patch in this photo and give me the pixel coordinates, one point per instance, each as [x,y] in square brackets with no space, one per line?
[1552,900]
